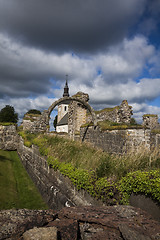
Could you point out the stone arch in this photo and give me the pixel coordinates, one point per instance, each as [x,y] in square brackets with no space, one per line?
[90,109]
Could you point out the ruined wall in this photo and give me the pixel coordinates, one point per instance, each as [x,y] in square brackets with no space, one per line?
[117,141]
[118,114]
[151,121]
[124,112]
[29,121]
[56,189]
[76,114]
[39,124]
[8,137]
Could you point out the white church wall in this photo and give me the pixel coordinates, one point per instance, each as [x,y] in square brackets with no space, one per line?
[62,128]
[62,110]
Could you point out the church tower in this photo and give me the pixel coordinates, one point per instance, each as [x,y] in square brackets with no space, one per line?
[62,120]
[66,88]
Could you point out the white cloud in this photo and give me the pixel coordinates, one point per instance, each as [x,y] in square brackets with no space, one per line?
[22,105]
[27,72]
[140,109]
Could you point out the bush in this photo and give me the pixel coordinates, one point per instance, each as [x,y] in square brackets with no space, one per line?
[108,177]
[147,183]
[34,111]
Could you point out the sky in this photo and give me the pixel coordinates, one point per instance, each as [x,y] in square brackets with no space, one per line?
[109,49]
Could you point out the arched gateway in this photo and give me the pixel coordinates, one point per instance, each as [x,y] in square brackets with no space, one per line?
[85,104]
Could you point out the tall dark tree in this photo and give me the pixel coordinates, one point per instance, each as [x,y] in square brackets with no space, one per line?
[7,114]
[55,122]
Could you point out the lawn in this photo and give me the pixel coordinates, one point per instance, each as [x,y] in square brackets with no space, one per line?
[16,188]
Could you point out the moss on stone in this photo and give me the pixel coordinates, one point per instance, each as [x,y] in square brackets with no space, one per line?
[107,110]
[7,123]
[150,115]
[155,131]
[31,116]
[108,125]
[87,125]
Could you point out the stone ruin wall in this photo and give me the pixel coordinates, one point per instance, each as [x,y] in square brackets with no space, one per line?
[119,141]
[56,190]
[8,137]
[118,114]
[38,124]
[76,114]
[151,121]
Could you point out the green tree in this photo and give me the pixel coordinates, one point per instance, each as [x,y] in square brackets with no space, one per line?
[34,111]
[55,122]
[7,114]
[133,121]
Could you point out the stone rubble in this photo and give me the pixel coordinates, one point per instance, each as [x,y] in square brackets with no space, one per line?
[75,223]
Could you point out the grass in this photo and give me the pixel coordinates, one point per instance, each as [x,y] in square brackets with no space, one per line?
[31,116]
[16,188]
[84,156]
[7,123]
[105,176]
[108,125]
[107,110]
[150,115]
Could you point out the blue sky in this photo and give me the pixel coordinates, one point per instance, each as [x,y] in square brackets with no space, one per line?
[109,49]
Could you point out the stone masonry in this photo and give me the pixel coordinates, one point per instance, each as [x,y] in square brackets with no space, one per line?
[118,141]
[8,137]
[118,114]
[151,121]
[56,189]
[77,114]
[124,112]
[38,124]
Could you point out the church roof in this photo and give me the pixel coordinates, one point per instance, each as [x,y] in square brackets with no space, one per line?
[66,89]
[63,121]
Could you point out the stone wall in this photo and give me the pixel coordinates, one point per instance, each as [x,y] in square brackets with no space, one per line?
[118,114]
[124,112]
[117,141]
[76,114]
[150,121]
[8,137]
[56,190]
[40,123]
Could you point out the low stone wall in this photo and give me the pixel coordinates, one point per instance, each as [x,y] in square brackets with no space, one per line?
[117,141]
[8,137]
[56,190]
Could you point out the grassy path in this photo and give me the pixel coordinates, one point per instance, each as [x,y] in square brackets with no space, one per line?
[16,188]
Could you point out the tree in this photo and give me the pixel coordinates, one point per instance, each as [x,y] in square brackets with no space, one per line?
[7,114]
[55,122]
[34,111]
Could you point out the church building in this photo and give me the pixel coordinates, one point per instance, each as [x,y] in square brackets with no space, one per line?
[62,119]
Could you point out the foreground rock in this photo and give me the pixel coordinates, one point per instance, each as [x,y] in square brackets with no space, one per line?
[112,222]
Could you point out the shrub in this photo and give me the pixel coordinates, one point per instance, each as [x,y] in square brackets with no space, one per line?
[147,183]
[108,177]
[34,111]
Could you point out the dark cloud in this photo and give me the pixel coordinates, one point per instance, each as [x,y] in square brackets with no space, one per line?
[75,25]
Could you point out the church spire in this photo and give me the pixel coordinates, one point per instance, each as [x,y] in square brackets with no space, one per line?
[66,88]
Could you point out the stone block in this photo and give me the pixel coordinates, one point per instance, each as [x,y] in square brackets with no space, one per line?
[49,233]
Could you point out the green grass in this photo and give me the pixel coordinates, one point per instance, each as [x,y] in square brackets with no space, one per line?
[108,125]
[16,188]
[7,123]
[98,172]
[107,110]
